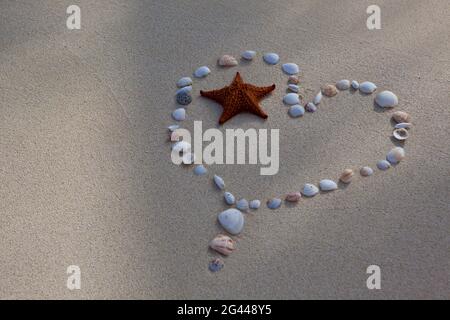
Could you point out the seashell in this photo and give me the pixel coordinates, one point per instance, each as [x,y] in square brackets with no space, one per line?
[329,90]
[396,155]
[343,84]
[311,107]
[173,127]
[255,204]
[383,165]
[401,134]
[274,203]
[216,265]
[310,190]
[231,220]
[386,99]
[179,114]
[248,55]
[293,87]
[223,244]
[183,82]
[355,84]
[405,125]
[229,198]
[188,158]
[366,171]
[174,136]
[184,98]
[291,98]
[317,98]
[219,182]
[182,146]
[271,58]
[296,111]
[401,116]
[202,72]
[227,61]
[187,89]
[367,87]
[327,185]
[290,68]
[293,79]
[200,170]
[346,176]
[242,205]
[293,196]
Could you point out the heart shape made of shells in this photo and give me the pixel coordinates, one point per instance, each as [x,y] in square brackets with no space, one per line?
[232,220]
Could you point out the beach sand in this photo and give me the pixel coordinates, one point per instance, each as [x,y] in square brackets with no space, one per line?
[86,176]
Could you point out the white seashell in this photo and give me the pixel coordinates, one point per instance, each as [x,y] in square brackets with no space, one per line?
[367,87]
[310,190]
[405,125]
[401,134]
[232,221]
[219,182]
[366,171]
[248,55]
[317,98]
[327,185]
[346,176]
[290,68]
[293,87]
[293,79]
[291,98]
[355,84]
[227,61]
[386,99]
[229,198]
[343,84]
[296,111]
[254,204]
[173,127]
[401,116]
[271,58]
[202,72]
[223,244]
[179,114]
[183,82]
[396,155]
[242,205]
[182,146]
[293,197]
[383,165]
[329,90]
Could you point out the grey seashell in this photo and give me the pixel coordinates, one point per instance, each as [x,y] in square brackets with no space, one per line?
[227,61]
[401,116]
[367,87]
[274,203]
[179,114]
[318,98]
[327,185]
[200,170]
[343,84]
[202,72]
[182,146]
[187,89]
[293,79]
[271,58]
[255,204]
[405,125]
[310,190]
[293,87]
[396,155]
[242,205]
[293,196]
[296,111]
[346,176]
[229,198]
[231,220]
[401,134]
[173,127]
[291,98]
[184,98]
[311,107]
[355,84]
[290,68]
[223,244]
[366,171]
[183,82]
[216,265]
[383,165]
[386,99]
[248,55]
[219,182]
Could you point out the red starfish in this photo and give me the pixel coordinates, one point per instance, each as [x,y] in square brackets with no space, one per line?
[239,97]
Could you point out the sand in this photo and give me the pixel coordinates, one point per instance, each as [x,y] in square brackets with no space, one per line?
[86,177]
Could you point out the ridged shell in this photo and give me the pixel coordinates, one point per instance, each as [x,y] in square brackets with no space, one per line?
[293,196]
[329,90]
[401,134]
[310,190]
[401,116]
[346,176]
[227,61]
[223,244]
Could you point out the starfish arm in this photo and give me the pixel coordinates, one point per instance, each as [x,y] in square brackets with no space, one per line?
[216,95]
[229,111]
[259,92]
[253,106]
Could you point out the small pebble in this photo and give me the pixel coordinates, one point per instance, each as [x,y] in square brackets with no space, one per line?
[293,197]
[311,107]
[293,87]
[401,116]
[248,55]
[366,171]
[329,90]
[293,79]
[187,89]
[219,182]
[386,99]
[343,84]
[216,265]
[396,155]
[310,190]
[231,220]
[184,98]
[355,84]
[290,68]
[183,82]
[200,170]
[291,98]
[179,114]
[274,203]
[202,72]
[242,205]
[296,111]
[367,87]
[327,185]
[383,165]
[255,204]
[271,58]
[229,198]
